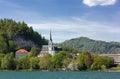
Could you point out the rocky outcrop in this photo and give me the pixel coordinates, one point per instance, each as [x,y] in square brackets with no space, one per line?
[23,43]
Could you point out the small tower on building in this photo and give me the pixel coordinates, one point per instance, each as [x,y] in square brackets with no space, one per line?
[50,45]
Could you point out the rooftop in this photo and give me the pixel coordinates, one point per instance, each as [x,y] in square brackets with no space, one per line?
[22,51]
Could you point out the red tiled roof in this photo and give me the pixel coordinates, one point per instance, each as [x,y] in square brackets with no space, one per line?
[22,51]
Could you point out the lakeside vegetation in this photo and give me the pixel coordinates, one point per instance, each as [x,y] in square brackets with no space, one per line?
[60,61]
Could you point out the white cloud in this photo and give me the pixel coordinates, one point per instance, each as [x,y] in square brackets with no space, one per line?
[76,27]
[99,2]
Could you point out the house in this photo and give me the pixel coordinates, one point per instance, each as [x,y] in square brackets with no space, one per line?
[50,48]
[21,52]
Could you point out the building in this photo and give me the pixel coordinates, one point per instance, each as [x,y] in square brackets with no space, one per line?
[21,52]
[50,48]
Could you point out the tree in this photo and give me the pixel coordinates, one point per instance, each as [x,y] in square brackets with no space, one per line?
[45,61]
[66,62]
[23,62]
[12,47]
[101,62]
[34,63]
[57,60]
[1,57]
[34,51]
[89,60]
[81,58]
[3,45]
[7,62]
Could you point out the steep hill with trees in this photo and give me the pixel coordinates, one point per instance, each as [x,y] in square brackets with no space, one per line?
[94,46]
[15,35]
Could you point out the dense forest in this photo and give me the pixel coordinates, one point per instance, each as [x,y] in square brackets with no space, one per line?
[15,35]
[94,46]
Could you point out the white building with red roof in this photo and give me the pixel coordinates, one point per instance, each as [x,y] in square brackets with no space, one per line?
[21,52]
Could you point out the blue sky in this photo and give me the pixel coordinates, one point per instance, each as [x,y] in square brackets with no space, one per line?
[96,19]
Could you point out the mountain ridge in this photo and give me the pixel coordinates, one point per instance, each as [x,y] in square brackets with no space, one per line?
[91,45]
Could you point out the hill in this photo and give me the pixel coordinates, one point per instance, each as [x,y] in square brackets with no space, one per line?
[94,46]
[15,35]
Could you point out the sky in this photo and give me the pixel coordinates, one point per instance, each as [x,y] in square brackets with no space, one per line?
[67,19]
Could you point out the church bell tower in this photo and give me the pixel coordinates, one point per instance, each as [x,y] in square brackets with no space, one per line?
[50,45]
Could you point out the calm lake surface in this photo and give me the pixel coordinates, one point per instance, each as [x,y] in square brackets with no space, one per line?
[59,75]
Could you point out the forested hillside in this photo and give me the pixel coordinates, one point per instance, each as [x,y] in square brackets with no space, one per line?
[15,35]
[94,46]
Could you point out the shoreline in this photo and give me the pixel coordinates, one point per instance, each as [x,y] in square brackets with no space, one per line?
[59,71]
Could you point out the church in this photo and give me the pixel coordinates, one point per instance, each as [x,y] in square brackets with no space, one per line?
[50,48]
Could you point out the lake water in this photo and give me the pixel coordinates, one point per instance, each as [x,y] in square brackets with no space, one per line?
[59,75]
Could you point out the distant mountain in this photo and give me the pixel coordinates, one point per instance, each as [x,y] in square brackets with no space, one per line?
[15,35]
[95,46]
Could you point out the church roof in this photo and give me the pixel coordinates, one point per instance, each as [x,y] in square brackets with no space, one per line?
[45,48]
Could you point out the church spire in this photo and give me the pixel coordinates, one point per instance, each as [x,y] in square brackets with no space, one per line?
[50,36]
[50,45]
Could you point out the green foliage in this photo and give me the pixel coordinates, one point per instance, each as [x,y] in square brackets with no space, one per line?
[94,62]
[34,63]
[66,62]
[101,62]
[34,51]
[45,62]
[84,60]
[1,58]
[62,59]
[3,45]
[27,62]
[58,58]
[90,45]
[11,30]
[23,62]
[7,61]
